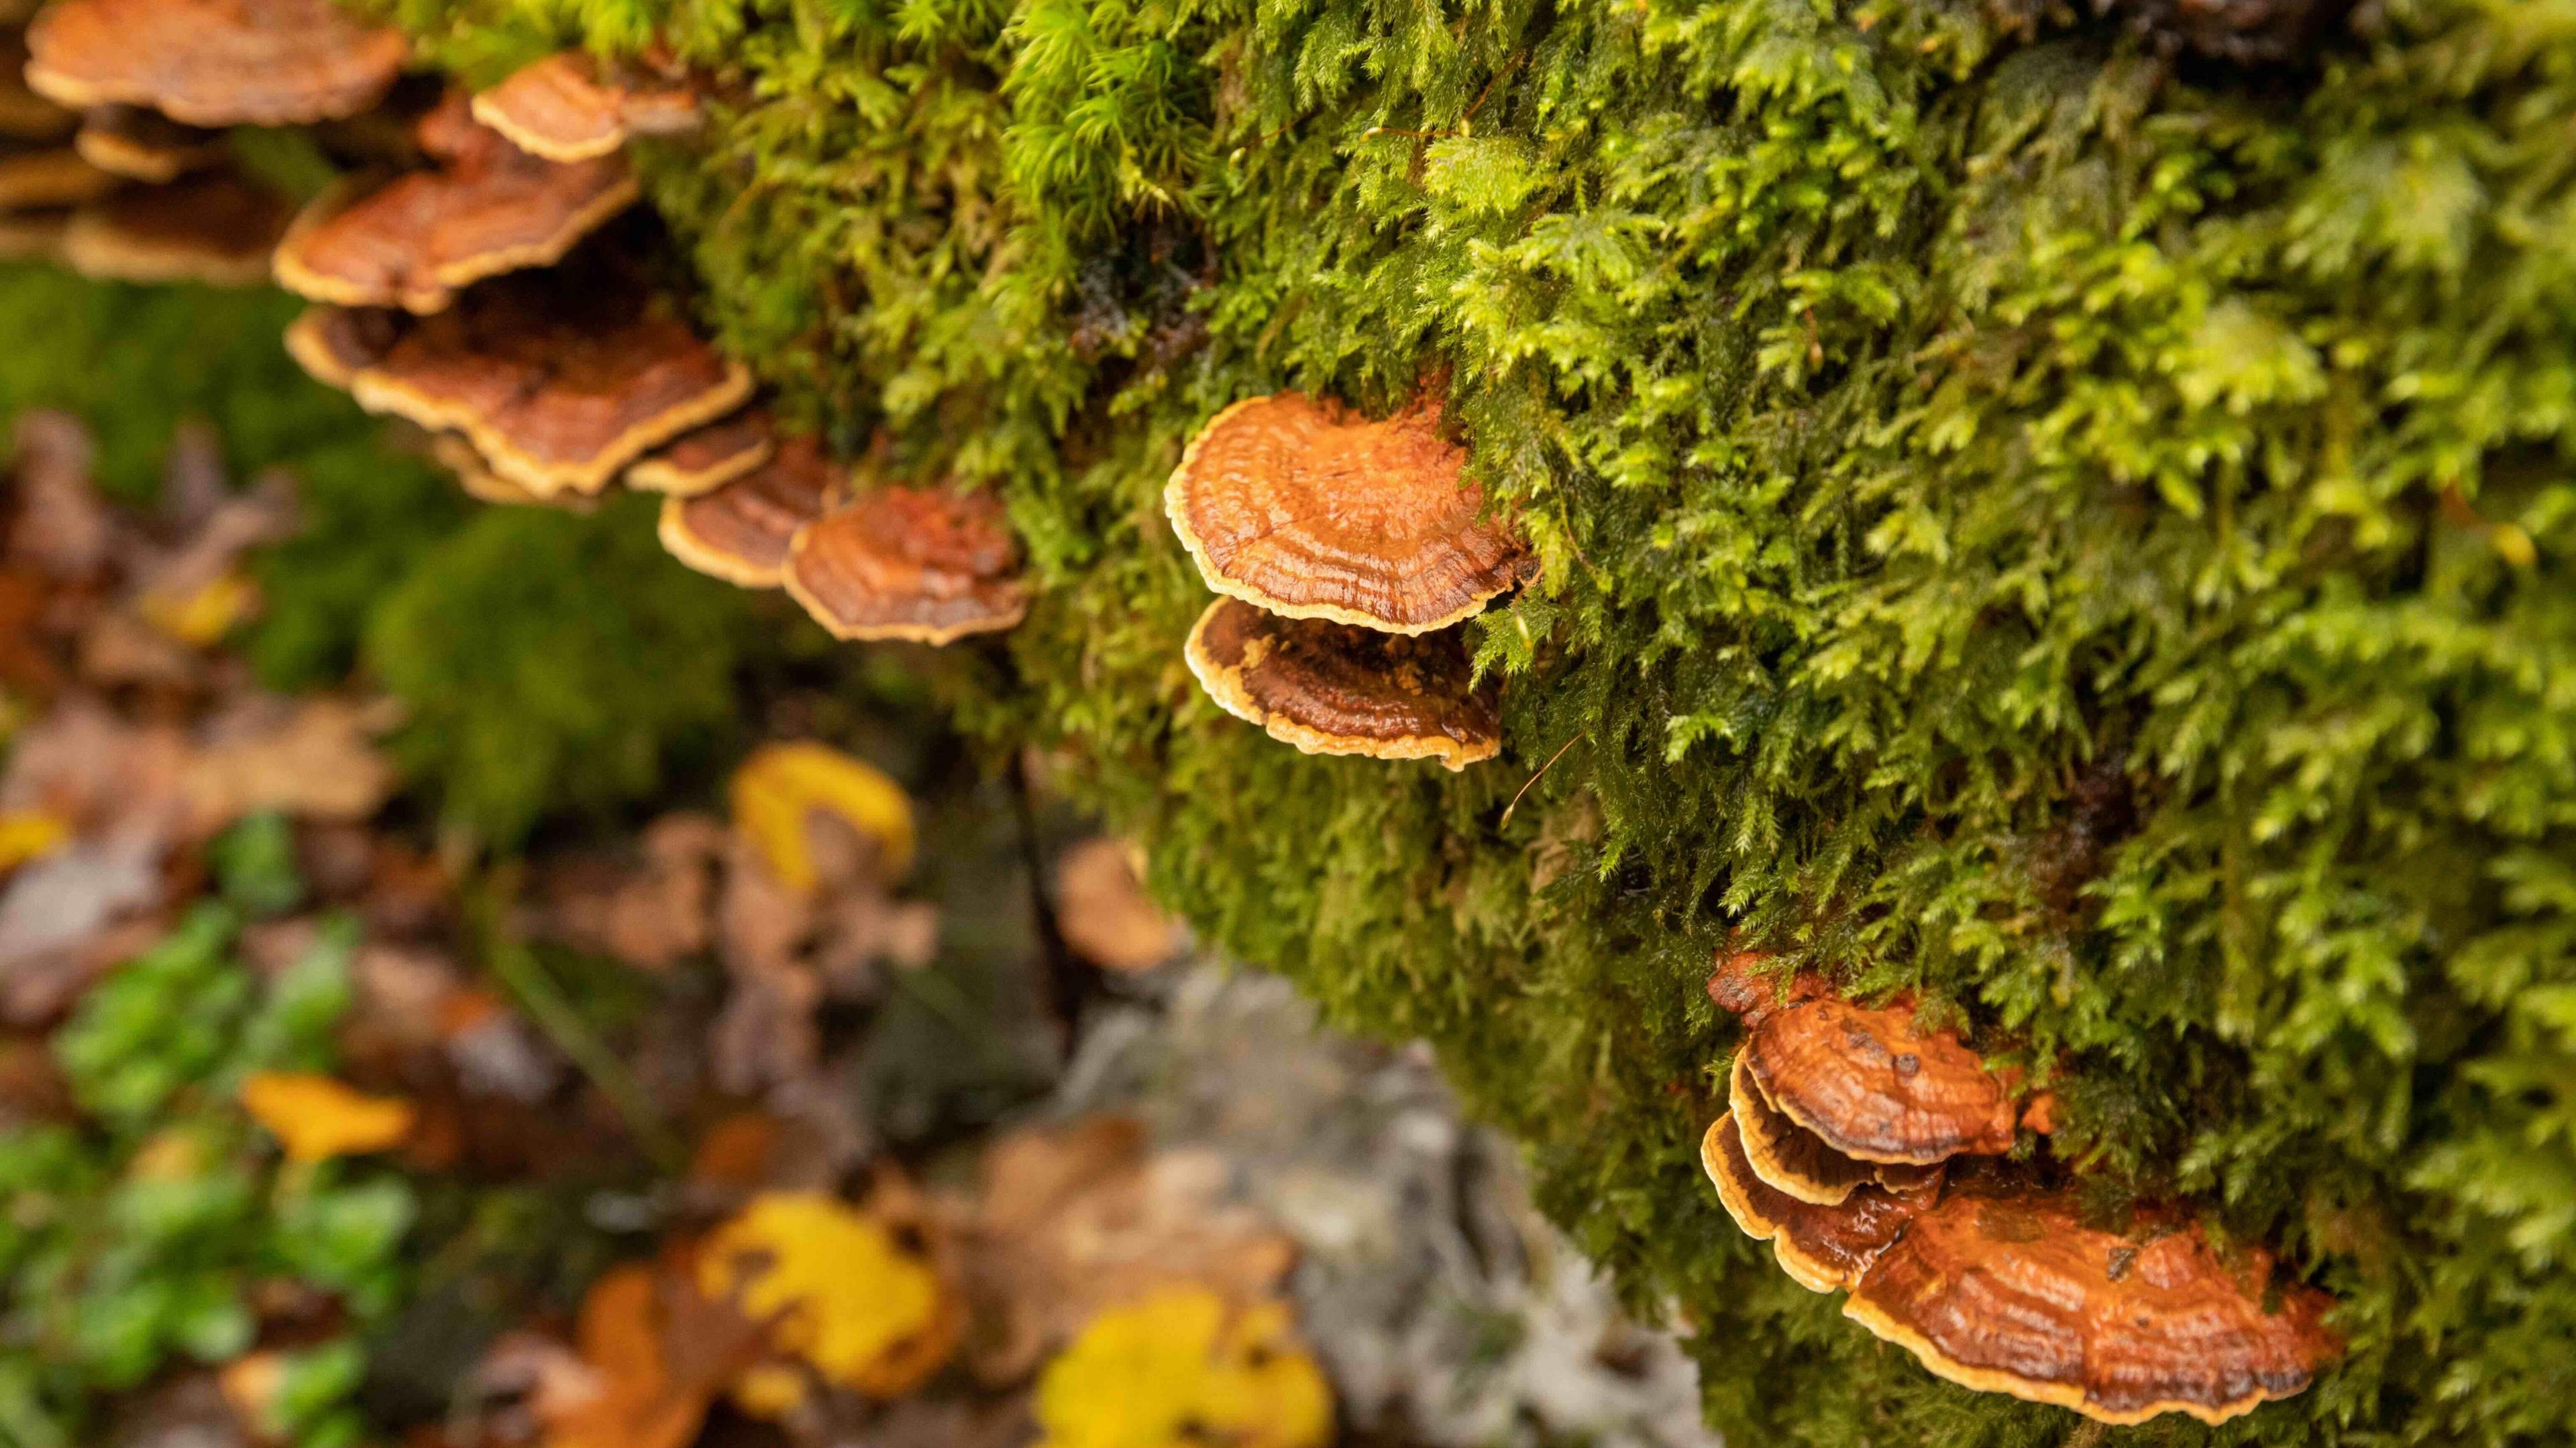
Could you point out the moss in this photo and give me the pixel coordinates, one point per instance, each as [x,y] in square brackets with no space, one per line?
[2080,534]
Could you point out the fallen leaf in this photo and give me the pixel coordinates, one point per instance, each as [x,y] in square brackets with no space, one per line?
[1070,1220]
[1102,908]
[1181,1369]
[63,528]
[202,616]
[29,834]
[842,1291]
[57,912]
[314,758]
[781,784]
[249,1384]
[655,1357]
[316,1118]
[651,913]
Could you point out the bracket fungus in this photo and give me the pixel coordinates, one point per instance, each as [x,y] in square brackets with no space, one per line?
[1874,1087]
[332,344]
[40,180]
[214,62]
[147,146]
[2008,1290]
[1300,508]
[25,115]
[744,531]
[1794,1160]
[485,209]
[1824,1248]
[573,106]
[707,458]
[216,228]
[927,565]
[1330,688]
[558,383]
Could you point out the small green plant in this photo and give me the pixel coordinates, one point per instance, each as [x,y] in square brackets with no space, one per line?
[138,1237]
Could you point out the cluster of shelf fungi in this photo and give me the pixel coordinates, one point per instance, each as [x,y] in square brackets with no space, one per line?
[463,279]
[1878,1160]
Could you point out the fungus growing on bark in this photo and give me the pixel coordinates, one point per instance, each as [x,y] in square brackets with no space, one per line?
[146,146]
[1822,1248]
[2007,1290]
[331,344]
[215,228]
[558,384]
[573,106]
[708,458]
[1300,508]
[927,565]
[214,62]
[1873,1087]
[1330,688]
[485,209]
[743,531]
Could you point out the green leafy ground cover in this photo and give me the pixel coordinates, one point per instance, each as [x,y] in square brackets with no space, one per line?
[2079,534]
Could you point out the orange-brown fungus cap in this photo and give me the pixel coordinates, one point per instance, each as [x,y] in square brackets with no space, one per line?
[1823,1249]
[333,343]
[1795,1160]
[1305,510]
[214,62]
[146,146]
[1739,987]
[923,564]
[215,228]
[572,106]
[41,180]
[2008,1291]
[1875,1087]
[706,459]
[1329,688]
[559,383]
[488,208]
[743,531]
[475,478]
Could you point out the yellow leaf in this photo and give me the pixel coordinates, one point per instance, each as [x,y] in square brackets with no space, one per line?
[202,616]
[29,834]
[1178,1370]
[781,784]
[839,1290]
[316,1118]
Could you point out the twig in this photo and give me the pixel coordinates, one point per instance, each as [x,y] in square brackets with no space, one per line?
[1542,772]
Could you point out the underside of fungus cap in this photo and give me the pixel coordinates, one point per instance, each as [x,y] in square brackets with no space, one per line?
[143,145]
[215,228]
[25,115]
[1330,688]
[559,381]
[1822,1248]
[34,179]
[331,344]
[572,106]
[743,531]
[475,478]
[214,62]
[2006,1290]
[707,458]
[1794,1160]
[417,240]
[1301,509]
[1875,1087]
[927,565]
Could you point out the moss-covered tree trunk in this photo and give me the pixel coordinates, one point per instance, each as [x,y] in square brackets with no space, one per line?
[2032,513]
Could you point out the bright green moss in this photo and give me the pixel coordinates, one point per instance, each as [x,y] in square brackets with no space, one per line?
[2085,539]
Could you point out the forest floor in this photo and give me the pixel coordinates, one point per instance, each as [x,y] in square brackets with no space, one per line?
[863,1100]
